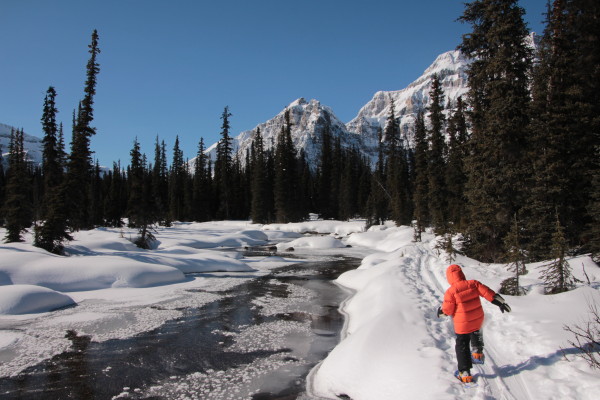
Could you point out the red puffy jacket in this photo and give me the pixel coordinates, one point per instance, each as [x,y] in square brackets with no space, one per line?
[461,300]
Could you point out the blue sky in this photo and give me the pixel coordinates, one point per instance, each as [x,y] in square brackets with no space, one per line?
[169,67]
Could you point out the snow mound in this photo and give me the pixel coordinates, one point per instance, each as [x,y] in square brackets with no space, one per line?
[69,274]
[29,299]
[189,260]
[318,242]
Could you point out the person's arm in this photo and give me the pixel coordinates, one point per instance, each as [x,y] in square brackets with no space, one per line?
[449,305]
[500,302]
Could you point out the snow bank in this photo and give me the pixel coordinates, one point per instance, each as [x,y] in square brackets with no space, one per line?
[340,228]
[317,242]
[92,273]
[26,299]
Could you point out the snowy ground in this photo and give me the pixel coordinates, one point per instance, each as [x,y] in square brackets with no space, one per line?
[395,347]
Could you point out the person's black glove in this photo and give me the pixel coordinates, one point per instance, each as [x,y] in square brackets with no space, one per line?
[440,312]
[499,301]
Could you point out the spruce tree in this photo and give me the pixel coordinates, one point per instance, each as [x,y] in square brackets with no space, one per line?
[499,99]
[557,274]
[325,171]
[177,178]
[79,168]
[259,211]
[436,163]
[113,202]
[139,205]
[455,168]
[160,183]
[397,173]
[52,167]
[552,122]
[421,192]
[584,24]
[516,261]
[224,169]
[53,230]
[17,206]
[286,176]
[201,185]
[379,199]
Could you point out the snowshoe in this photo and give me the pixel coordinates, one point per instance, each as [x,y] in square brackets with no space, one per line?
[466,379]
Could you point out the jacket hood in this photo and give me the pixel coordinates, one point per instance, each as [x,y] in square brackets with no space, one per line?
[454,274]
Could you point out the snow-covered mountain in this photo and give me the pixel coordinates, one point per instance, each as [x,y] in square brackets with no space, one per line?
[309,117]
[450,67]
[33,145]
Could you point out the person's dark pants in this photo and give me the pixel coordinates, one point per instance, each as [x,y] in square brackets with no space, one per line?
[463,348]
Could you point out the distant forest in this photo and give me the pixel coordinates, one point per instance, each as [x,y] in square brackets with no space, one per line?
[508,174]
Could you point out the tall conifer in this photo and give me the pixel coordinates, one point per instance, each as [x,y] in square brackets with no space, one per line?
[499,98]
[421,192]
[224,169]
[259,212]
[437,191]
[79,167]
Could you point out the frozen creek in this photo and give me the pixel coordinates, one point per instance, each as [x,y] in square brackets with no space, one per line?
[257,340]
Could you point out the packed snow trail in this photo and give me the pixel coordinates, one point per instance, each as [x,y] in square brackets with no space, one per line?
[395,347]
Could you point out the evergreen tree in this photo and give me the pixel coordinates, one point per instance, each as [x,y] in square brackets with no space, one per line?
[552,114]
[96,199]
[325,171]
[113,202]
[177,178]
[79,168]
[53,231]
[17,205]
[584,23]
[259,212]
[397,173]
[306,199]
[201,185]
[160,183]
[557,275]
[52,167]
[224,170]
[437,191]
[421,192]
[499,101]
[286,181]
[139,209]
[516,261]
[455,168]
[377,205]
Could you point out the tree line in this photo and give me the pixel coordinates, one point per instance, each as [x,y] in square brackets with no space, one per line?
[512,170]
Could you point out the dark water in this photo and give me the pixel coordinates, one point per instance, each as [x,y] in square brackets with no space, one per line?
[192,356]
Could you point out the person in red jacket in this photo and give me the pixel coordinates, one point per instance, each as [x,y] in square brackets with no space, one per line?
[462,303]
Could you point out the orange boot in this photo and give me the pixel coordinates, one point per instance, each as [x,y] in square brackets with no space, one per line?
[465,376]
[478,358]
